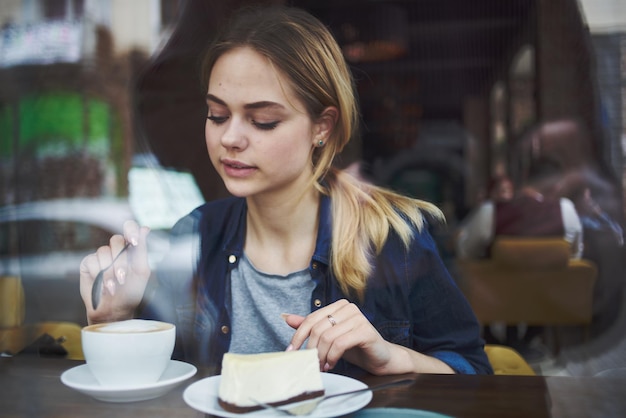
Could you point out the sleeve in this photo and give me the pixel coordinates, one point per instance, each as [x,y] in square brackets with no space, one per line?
[442,323]
[476,233]
[445,327]
[573,227]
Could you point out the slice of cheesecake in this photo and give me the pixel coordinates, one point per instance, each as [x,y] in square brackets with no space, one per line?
[275,378]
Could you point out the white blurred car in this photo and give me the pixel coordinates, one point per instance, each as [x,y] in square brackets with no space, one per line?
[44,242]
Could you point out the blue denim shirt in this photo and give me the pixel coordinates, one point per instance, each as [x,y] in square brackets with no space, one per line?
[410,297]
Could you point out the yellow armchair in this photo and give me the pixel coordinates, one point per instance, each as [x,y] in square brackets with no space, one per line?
[15,335]
[12,309]
[530,280]
[505,360]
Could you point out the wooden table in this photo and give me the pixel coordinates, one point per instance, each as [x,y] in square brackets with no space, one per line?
[31,387]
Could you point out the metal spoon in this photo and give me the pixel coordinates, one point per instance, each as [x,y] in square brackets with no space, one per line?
[96,289]
[306,407]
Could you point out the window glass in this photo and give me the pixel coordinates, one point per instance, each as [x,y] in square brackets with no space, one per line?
[35,237]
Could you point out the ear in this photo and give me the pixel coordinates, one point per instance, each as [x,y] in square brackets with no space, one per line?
[324,125]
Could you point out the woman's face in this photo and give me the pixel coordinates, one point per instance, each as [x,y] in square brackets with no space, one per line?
[258,134]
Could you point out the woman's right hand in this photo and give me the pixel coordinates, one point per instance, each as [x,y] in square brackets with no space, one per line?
[124,282]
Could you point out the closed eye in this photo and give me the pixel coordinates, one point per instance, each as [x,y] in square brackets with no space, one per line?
[265,126]
[218,120]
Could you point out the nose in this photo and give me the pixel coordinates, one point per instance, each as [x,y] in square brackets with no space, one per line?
[234,135]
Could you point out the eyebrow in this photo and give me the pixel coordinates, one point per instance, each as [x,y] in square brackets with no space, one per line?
[255,105]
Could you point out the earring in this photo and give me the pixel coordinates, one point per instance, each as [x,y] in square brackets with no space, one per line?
[320,143]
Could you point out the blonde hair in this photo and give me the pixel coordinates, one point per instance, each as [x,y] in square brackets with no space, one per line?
[304,50]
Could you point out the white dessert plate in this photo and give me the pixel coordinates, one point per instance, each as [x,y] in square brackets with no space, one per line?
[202,395]
[81,379]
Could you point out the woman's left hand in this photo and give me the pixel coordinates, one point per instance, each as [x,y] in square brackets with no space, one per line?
[341,330]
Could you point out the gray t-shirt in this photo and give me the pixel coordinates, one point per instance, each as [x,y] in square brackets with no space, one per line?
[258,299]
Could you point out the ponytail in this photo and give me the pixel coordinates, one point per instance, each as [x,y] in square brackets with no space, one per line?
[363,216]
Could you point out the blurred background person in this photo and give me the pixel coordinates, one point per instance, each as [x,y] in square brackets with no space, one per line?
[532,212]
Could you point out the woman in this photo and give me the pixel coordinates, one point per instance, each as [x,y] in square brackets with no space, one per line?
[301,246]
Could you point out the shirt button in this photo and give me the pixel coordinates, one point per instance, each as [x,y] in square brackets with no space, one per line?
[314,265]
[317,303]
[232,259]
[225,329]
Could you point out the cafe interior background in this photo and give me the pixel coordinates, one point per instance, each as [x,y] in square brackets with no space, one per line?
[101,120]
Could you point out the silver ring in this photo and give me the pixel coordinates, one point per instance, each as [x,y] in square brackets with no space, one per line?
[332,320]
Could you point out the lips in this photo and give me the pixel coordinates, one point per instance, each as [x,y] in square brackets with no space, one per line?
[235,164]
[236,168]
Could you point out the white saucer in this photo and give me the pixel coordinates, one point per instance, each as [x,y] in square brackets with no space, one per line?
[81,379]
[202,396]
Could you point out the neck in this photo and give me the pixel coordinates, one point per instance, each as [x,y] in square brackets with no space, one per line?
[281,236]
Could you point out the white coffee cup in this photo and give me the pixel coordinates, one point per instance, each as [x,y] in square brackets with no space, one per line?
[128,353]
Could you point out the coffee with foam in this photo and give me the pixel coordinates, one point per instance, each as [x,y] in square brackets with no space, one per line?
[130,326]
[128,353]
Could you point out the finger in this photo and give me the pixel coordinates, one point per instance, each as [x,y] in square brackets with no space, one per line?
[111,264]
[105,258]
[329,335]
[89,268]
[324,342]
[304,329]
[338,334]
[131,232]
[133,271]
[320,329]
[337,342]
[352,330]
[110,285]
[138,253]
[294,321]
[119,262]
